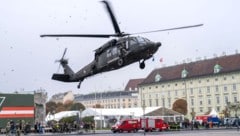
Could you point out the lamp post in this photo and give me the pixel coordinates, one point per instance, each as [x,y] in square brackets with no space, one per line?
[144,127]
[143,108]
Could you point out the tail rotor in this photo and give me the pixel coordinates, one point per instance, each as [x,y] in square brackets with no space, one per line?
[62,61]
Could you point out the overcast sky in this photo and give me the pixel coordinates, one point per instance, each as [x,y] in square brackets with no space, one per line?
[27,61]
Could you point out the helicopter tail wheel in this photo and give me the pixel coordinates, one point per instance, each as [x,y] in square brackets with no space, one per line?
[120,62]
[142,65]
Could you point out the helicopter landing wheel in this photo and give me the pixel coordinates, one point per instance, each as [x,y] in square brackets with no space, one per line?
[120,62]
[79,84]
[142,65]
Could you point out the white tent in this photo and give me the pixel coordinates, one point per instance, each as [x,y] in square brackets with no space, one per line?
[58,116]
[213,113]
[136,112]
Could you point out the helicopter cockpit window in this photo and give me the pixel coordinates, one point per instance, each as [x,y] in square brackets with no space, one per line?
[140,40]
[109,54]
[133,41]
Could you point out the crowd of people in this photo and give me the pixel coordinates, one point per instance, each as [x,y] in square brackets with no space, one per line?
[17,128]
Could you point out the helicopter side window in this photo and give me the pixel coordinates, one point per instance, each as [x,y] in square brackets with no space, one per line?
[133,41]
[127,44]
[114,51]
[109,54]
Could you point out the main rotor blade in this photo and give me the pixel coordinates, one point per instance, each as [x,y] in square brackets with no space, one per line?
[79,35]
[65,50]
[114,21]
[169,29]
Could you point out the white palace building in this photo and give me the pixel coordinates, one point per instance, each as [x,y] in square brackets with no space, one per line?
[205,85]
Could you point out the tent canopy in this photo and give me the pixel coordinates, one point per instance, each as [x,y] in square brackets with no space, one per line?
[213,113]
[163,112]
[136,112]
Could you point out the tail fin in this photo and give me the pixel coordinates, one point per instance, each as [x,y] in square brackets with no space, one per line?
[68,72]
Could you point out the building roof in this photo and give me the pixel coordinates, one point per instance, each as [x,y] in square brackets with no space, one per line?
[105,95]
[132,84]
[163,112]
[225,64]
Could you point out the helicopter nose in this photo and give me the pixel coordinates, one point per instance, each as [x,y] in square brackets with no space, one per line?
[158,44]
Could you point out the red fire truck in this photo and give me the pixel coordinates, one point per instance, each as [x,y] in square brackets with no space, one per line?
[133,125]
[149,124]
[129,125]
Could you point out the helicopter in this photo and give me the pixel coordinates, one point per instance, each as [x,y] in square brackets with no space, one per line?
[121,51]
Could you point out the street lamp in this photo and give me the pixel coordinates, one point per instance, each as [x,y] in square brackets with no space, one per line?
[144,124]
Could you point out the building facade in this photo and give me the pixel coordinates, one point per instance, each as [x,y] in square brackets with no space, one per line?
[62,97]
[109,100]
[205,85]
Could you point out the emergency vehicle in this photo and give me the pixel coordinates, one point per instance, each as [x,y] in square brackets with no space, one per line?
[146,124]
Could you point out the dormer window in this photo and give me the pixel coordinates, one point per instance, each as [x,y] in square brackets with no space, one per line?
[184,73]
[217,68]
[157,77]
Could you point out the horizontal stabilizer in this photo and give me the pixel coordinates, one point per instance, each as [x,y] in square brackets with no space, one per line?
[61,77]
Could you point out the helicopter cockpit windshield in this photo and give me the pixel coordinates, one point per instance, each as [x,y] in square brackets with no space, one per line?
[139,40]
[142,41]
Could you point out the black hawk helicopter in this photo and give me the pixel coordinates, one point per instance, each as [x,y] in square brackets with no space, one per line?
[114,54]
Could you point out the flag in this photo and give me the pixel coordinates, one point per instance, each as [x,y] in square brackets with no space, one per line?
[17,112]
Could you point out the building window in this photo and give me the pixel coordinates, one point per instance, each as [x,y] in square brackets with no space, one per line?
[169,102]
[199,81]
[192,102]
[158,78]
[201,109]
[200,91]
[208,89]
[150,102]
[143,103]
[218,108]
[207,80]
[217,88]
[234,87]
[184,73]
[224,78]
[225,88]
[209,101]
[209,108]
[156,87]
[149,88]
[176,84]
[168,93]
[232,77]
[200,100]
[183,92]
[156,102]
[217,99]
[226,99]
[216,79]
[176,93]
[191,91]
[217,68]
[235,99]
[163,101]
